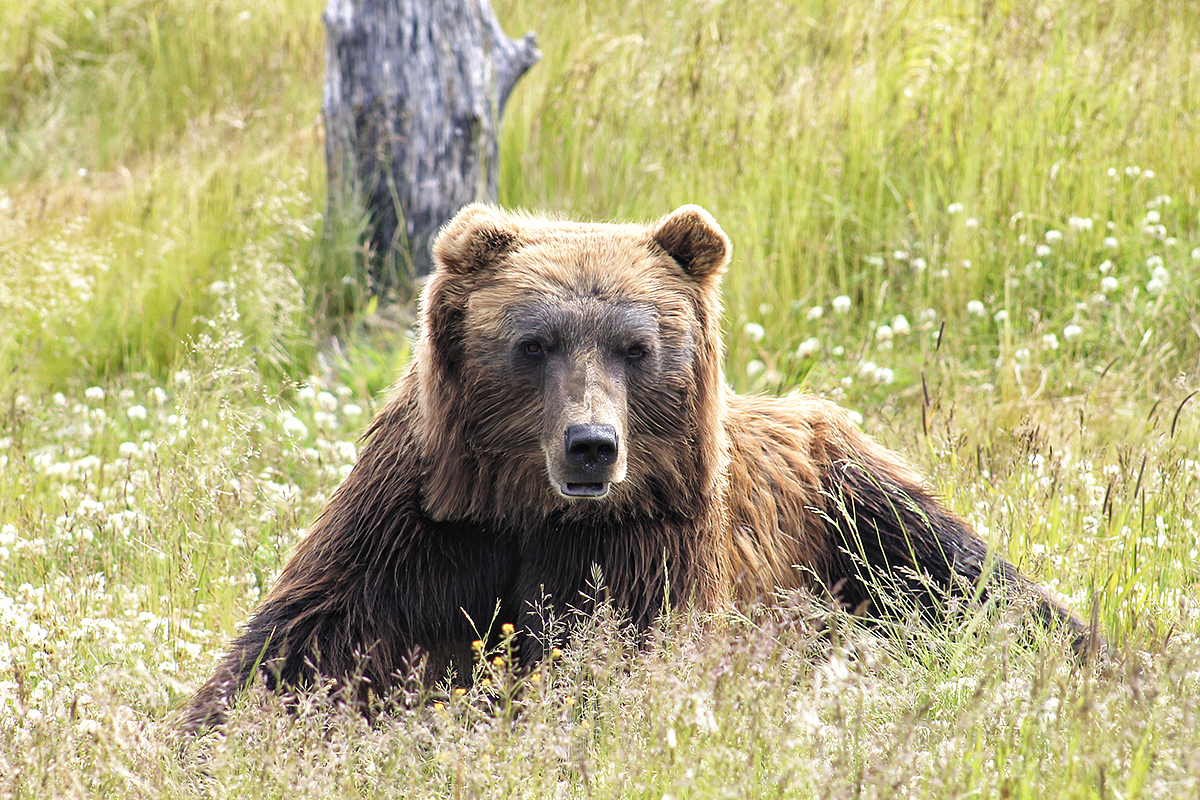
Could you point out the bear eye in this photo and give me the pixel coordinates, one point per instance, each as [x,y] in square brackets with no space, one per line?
[635,351]
[533,347]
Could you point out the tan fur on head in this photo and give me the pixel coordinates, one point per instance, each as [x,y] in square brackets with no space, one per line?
[477,237]
[693,238]
[490,262]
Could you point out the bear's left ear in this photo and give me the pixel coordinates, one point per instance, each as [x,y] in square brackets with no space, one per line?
[693,238]
[478,237]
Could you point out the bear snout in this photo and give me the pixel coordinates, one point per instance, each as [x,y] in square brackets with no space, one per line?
[591,455]
[590,446]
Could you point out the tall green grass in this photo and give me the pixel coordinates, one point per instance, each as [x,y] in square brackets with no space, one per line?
[973,223]
[827,139]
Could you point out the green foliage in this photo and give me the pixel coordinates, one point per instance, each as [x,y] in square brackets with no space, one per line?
[974,224]
[831,141]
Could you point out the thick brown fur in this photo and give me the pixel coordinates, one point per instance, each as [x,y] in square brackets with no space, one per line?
[565,407]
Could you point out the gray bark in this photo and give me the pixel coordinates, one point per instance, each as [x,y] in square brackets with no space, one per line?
[414,91]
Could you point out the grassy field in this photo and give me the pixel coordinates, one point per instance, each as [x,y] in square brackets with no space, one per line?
[973,223]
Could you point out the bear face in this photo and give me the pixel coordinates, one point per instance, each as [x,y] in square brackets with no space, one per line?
[576,357]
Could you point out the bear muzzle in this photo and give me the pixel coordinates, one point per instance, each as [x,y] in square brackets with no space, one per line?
[592,460]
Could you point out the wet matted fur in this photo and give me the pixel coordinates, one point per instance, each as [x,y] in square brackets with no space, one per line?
[565,408]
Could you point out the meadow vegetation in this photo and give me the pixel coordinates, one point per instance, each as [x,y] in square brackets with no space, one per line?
[975,224]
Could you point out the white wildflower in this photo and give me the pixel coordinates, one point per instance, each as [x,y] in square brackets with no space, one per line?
[841,303]
[808,348]
[754,331]
[94,393]
[327,401]
[1053,237]
[1105,266]
[919,264]
[815,313]
[1080,223]
[900,325]
[352,410]
[1111,242]
[294,427]
[1050,341]
[954,208]
[976,309]
[1042,250]
[1001,316]
[884,333]
[136,413]
[884,375]
[1108,284]
[1072,332]
[971,222]
[755,368]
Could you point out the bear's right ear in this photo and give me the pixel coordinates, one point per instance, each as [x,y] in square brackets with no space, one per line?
[693,238]
[478,237]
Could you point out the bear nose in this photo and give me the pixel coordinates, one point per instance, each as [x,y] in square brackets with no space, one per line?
[590,446]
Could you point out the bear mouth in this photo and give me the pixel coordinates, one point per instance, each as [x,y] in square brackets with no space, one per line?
[592,490]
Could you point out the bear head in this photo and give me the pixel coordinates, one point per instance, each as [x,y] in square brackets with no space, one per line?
[570,367]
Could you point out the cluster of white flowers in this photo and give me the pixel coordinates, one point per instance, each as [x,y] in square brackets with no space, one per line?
[1159,276]
[872,371]
[809,348]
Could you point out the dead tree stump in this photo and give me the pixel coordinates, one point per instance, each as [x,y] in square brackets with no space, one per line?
[414,92]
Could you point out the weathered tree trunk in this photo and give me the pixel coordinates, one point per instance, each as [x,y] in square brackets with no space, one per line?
[414,91]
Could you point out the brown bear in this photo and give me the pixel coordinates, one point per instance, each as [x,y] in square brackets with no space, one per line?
[565,407]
